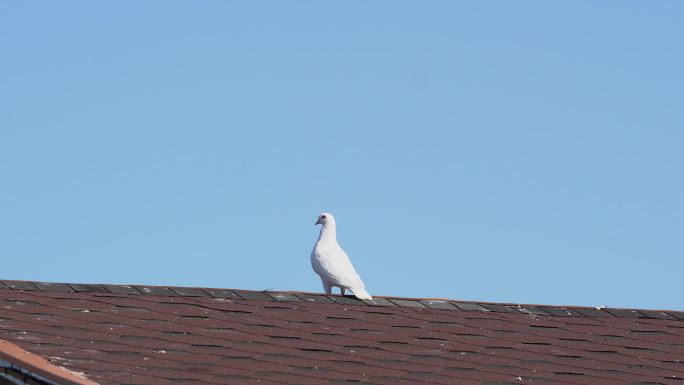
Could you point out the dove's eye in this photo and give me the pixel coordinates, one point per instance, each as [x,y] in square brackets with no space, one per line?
[323,216]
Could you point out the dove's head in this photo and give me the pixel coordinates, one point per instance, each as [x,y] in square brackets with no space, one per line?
[325,219]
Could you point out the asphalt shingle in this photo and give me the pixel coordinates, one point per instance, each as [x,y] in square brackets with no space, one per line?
[158,335]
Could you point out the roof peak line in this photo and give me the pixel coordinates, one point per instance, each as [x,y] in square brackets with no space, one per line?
[380,301]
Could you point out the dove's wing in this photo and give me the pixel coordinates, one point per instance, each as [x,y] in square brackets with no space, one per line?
[336,266]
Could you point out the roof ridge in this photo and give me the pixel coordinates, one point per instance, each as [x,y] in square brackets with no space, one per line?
[381,301]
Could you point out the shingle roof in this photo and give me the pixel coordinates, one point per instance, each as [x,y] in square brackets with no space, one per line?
[152,335]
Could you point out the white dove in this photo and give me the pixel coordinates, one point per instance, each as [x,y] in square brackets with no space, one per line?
[332,264]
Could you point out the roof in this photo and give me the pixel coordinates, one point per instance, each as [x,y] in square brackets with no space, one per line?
[149,335]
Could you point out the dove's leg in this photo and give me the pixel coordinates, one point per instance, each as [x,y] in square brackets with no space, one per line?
[327,288]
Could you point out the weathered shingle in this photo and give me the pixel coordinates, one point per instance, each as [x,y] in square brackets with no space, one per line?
[158,335]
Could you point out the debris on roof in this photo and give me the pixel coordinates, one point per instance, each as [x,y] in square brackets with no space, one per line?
[151,335]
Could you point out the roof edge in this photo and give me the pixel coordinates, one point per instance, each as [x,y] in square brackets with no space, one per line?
[382,301]
[24,363]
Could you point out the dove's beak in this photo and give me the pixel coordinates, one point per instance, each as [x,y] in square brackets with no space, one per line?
[318,222]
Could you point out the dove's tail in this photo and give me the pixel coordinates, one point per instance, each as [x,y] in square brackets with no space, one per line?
[361,293]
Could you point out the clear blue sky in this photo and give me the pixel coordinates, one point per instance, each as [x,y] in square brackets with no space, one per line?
[525,151]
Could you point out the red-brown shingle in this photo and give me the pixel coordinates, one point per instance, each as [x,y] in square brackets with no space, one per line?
[159,335]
